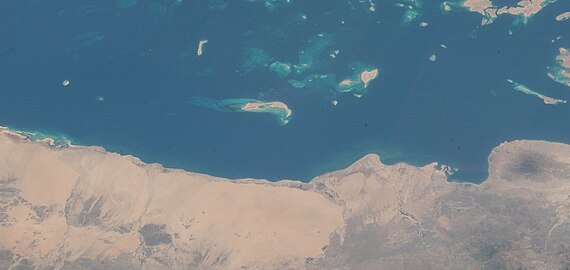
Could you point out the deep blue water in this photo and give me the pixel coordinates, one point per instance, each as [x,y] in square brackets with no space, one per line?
[142,61]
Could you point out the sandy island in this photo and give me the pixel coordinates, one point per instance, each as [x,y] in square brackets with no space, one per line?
[561,72]
[367,76]
[264,106]
[564,16]
[563,57]
[546,99]
[201,44]
[524,8]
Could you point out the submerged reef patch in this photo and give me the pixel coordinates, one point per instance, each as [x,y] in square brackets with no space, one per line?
[413,10]
[254,58]
[315,53]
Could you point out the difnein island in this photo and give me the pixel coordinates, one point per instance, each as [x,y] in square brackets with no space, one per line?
[77,207]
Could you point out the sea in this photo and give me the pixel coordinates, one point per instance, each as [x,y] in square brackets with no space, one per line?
[132,69]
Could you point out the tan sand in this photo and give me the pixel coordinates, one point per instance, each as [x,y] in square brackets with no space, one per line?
[527,8]
[201,44]
[478,6]
[257,223]
[563,58]
[91,209]
[367,76]
[262,106]
[564,16]
[524,8]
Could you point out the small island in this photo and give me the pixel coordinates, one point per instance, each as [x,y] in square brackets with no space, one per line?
[368,75]
[560,73]
[358,83]
[563,58]
[277,108]
[564,16]
[522,88]
[201,44]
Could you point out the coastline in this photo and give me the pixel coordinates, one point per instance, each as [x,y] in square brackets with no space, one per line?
[56,142]
[51,142]
[83,205]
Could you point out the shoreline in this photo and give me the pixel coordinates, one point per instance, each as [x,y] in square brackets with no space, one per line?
[53,143]
[50,142]
[115,204]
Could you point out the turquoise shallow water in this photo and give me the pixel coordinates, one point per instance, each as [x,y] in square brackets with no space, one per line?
[134,73]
